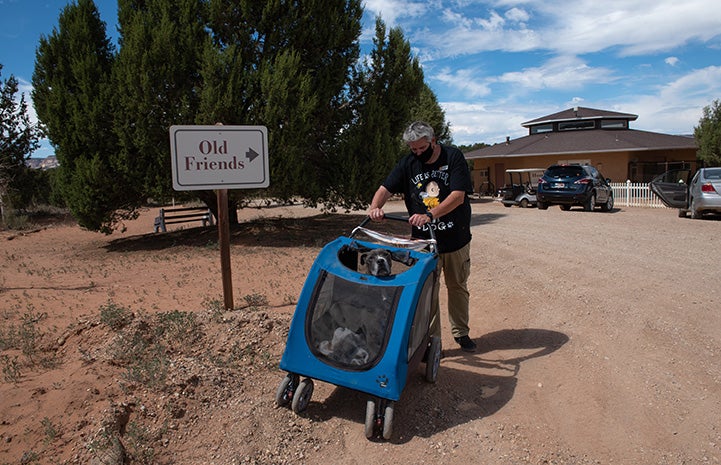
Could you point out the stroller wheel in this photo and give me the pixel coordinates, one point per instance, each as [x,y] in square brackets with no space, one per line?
[370,425]
[379,417]
[388,421]
[302,396]
[284,394]
[433,359]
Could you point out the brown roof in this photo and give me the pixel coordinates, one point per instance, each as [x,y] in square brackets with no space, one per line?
[584,141]
[580,113]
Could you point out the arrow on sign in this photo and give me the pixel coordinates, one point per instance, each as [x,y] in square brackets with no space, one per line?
[251,154]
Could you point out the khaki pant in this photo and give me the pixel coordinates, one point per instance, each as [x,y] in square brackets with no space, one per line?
[456,267]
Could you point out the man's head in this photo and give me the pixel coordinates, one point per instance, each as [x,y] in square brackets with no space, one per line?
[420,138]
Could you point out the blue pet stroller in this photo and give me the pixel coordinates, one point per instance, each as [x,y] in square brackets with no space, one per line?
[363,331]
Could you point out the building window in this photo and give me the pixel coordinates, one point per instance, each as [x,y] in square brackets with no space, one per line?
[541,128]
[614,124]
[575,125]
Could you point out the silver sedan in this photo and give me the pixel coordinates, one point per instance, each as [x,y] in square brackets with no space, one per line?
[699,196]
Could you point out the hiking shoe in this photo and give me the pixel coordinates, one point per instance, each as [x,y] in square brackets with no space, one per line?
[467,345]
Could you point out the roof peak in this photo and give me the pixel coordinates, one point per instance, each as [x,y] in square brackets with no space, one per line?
[578,113]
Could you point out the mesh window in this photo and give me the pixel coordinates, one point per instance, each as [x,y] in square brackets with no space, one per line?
[347,324]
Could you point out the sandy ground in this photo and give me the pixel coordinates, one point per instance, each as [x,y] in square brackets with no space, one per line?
[598,339]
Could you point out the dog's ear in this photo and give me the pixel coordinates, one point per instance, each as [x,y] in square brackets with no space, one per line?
[363,258]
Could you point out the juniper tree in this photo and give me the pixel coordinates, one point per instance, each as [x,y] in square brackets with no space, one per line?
[708,134]
[19,138]
[72,97]
[388,93]
[284,65]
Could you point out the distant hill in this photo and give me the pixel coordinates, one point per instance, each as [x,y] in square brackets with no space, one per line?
[42,163]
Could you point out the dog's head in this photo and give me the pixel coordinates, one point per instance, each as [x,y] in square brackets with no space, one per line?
[377,262]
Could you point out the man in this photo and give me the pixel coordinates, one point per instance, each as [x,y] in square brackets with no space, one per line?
[434,180]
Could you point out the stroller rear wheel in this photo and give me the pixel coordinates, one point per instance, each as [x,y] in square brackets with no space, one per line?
[433,359]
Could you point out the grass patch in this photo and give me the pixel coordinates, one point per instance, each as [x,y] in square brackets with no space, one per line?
[114,316]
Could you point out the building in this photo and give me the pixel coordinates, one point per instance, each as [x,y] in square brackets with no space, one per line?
[599,138]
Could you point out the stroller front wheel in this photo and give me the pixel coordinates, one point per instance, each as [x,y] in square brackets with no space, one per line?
[370,425]
[379,417]
[302,396]
[284,394]
[388,421]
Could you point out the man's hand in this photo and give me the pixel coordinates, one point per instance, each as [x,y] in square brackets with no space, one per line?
[419,220]
[376,214]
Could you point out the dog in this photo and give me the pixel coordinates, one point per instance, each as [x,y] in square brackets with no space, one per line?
[377,262]
[346,347]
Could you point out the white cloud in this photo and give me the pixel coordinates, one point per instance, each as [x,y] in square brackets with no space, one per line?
[564,72]
[463,81]
[671,61]
[476,122]
[391,10]
[642,26]
[674,108]
[567,28]
[517,15]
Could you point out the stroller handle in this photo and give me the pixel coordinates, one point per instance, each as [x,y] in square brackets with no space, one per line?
[399,218]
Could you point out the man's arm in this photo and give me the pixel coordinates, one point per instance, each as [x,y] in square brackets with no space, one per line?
[375,212]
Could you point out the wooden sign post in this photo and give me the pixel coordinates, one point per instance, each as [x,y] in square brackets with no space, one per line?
[219,158]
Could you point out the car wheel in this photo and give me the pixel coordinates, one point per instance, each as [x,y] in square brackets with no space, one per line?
[541,206]
[565,207]
[695,214]
[524,203]
[681,213]
[608,206]
[590,203]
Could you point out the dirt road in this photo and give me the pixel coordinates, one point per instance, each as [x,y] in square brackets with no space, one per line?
[598,333]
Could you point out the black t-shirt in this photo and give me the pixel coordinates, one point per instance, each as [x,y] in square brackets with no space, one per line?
[425,186]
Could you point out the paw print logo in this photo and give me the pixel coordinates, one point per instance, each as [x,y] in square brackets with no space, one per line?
[382,381]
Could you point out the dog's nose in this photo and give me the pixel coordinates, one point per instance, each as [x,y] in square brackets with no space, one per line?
[384,266]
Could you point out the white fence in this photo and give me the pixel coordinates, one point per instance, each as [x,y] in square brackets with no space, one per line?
[634,194]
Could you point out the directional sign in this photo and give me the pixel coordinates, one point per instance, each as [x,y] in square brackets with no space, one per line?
[219,157]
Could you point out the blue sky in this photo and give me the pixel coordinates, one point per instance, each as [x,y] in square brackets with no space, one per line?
[496,64]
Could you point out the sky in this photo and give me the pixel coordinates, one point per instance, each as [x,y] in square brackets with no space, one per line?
[494,65]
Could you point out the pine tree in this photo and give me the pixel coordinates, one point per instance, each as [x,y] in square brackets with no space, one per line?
[708,134]
[156,82]
[72,98]
[285,65]
[19,138]
[388,93]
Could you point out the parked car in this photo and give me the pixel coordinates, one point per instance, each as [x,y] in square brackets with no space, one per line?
[574,185]
[700,195]
[521,187]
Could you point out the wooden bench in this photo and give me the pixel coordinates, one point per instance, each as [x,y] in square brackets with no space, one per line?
[182,215]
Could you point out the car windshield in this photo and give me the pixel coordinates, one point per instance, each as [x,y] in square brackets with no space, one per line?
[712,173]
[565,172]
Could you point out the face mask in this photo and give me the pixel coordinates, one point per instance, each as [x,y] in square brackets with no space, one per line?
[426,154]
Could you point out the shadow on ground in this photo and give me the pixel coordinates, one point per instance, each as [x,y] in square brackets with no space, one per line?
[469,386]
[311,231]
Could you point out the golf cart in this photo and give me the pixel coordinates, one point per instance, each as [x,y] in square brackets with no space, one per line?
[521,187]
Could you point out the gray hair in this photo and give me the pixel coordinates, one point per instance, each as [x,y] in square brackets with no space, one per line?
[418,130]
